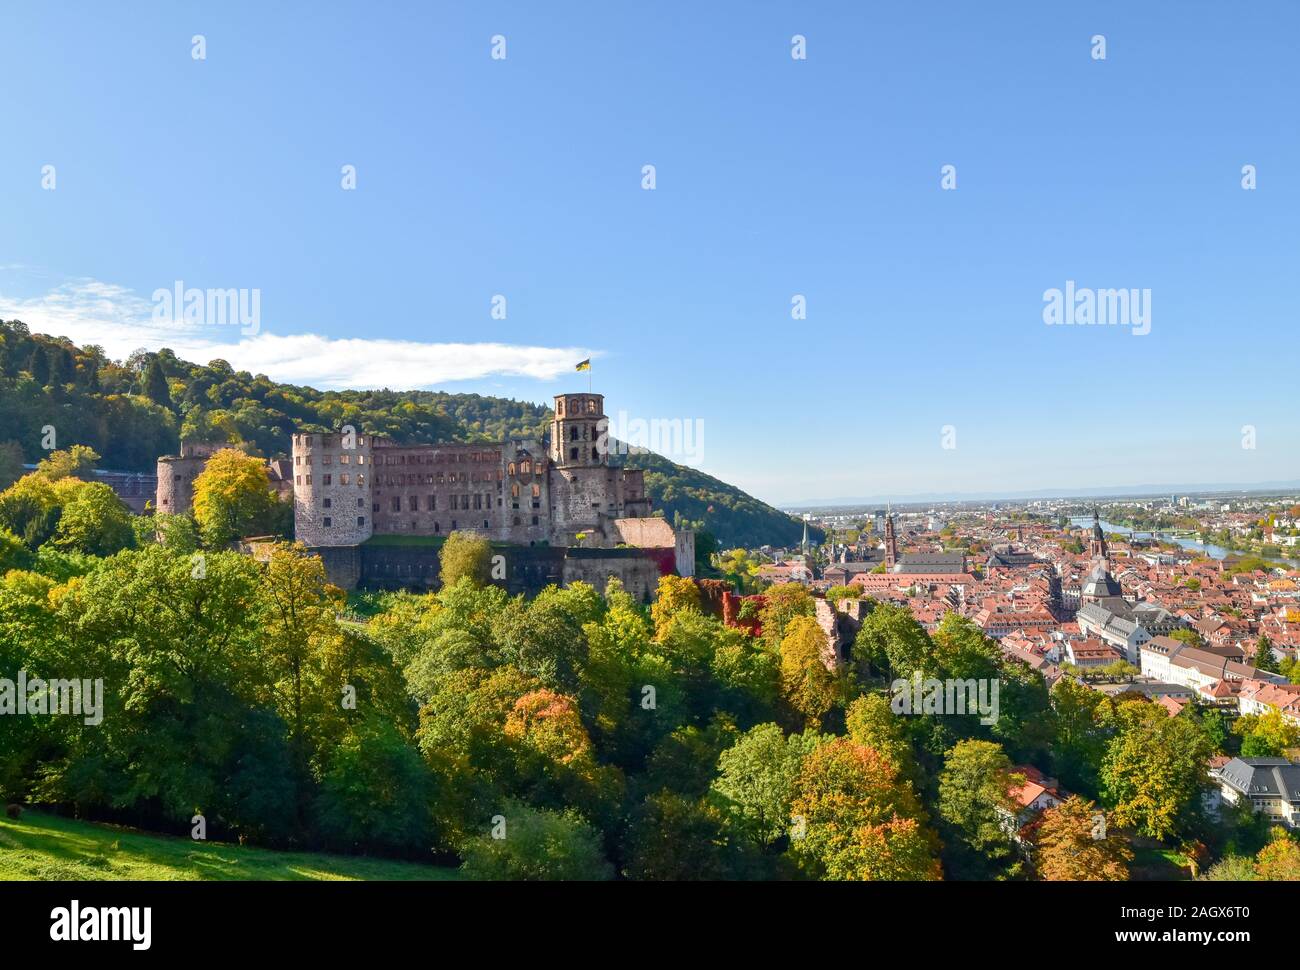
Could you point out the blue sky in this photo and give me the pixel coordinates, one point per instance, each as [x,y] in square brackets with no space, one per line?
[775,177]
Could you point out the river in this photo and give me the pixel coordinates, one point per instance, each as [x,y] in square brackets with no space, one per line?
[1208,549]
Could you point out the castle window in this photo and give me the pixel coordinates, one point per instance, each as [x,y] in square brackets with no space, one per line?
[478,501]
[534,520]
[595,454]
[361,504]
[573,433]
[433,503]
[526,468]
[591,407]
[327,502]
[328,521]
[361,479]
[297,479]
[361,459]
[485,524]
[396,503]
[573,454]
[361,520]
[514,491]
[516,520]
[308,479]
[537,491]
[176,478]
[559,408]
[343,459]
[361,441]
[414,503]
[375,507]
[324,459]
[512,468]
[325,479]
[297,459]
[453,525]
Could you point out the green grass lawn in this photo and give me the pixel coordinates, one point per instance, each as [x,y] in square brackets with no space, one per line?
[1157,863]
[41,846]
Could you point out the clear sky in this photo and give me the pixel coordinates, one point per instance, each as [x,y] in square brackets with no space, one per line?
[774,177]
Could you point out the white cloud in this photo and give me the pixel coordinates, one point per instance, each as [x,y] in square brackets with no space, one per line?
[88,311]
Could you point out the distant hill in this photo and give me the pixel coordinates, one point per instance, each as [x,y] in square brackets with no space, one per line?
[132,411]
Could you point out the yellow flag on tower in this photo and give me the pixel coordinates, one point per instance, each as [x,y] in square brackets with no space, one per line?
[584,365]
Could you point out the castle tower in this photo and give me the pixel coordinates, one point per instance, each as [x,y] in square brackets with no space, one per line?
[579,432]
[333,483]
[176,474]
[891,543]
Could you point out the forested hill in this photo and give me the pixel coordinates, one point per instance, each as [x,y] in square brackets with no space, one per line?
[132,411]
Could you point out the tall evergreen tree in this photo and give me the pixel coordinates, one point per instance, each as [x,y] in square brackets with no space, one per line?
[40,366]
[155,384]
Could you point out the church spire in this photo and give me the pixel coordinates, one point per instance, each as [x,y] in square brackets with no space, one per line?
[1097,545]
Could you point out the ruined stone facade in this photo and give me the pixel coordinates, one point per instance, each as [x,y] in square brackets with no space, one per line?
[348,487]
[565,512]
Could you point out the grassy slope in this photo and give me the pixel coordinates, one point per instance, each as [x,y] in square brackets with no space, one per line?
[40,846]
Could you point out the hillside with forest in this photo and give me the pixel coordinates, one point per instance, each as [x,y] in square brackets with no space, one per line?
[132,411]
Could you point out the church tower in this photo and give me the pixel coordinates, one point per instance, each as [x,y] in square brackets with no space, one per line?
[1097,544]
[891,543]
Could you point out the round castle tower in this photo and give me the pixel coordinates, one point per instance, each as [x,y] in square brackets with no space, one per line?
[176,474]
[333,480]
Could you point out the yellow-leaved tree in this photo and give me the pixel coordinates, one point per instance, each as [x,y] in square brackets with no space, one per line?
[233,498]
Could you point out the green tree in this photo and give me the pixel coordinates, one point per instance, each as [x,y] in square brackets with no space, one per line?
[537,845]
[95,521]
[11,463]
[375,792]
[975,797]
[155,384]
[1266,735]
[1265,658]
[1154,771]
[75,462]
[755,781]
[465,555]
